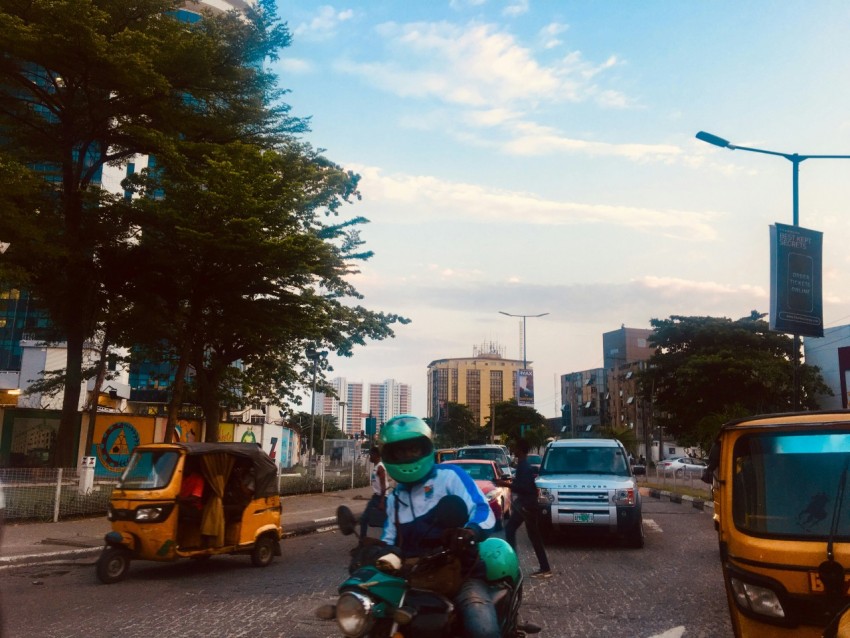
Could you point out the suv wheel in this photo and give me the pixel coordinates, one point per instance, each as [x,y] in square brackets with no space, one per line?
[635,537]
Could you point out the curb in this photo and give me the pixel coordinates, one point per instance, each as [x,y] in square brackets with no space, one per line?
[88,556]
[696,503]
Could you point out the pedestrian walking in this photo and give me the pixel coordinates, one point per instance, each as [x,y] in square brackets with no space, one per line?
[525,510]
[378,502]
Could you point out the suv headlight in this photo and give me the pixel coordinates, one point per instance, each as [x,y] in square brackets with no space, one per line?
[354,614]
[757,599]
[625,497]
[545,496]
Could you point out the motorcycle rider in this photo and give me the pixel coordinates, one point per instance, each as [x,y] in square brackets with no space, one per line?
[408,454]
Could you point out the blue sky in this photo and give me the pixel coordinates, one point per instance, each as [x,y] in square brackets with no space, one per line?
[531,156]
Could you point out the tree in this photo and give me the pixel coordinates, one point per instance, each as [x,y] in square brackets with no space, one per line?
[458,429]
[322,423]
[511,417]
[86,83]
[706,366]
[243,268]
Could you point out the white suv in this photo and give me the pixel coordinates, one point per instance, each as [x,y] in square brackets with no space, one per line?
[587,485]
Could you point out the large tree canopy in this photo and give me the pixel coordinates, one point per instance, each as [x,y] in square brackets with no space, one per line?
[224,257]
[240,266]
[715,367]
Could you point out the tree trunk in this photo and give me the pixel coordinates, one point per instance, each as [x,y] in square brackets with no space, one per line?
[65,452]
[209,379]
[98,383]
[176,396]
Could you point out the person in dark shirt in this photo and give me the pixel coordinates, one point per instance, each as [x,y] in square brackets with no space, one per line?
[524,509]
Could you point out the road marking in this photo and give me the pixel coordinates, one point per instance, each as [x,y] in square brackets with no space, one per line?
[652,526]
[676,632]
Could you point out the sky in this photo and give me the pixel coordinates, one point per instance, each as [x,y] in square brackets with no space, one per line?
[531,156]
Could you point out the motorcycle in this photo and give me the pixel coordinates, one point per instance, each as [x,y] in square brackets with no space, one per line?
[386,597]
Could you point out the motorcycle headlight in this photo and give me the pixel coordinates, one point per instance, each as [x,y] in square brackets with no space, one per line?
[354,614]
[759,600]
[149,514]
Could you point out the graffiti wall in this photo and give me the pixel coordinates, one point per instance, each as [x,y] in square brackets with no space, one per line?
[114,438]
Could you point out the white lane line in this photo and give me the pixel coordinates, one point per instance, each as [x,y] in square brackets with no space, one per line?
[652,526]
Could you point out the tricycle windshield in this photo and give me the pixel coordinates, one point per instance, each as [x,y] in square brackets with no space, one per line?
[149,470]
[792,484]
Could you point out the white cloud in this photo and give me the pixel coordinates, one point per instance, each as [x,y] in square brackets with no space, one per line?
[515,8]
[532,139]
[474,66]
[549,34]
[324,24]
[428,197]
[295,66]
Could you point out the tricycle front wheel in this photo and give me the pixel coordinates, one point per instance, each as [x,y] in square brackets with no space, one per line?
[113,564]
[263,552]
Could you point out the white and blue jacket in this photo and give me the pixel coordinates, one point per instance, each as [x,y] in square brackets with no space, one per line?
[412,506]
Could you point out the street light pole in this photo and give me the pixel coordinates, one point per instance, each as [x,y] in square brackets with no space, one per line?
[795,159]
[342,418]
[524,317]
[313,356]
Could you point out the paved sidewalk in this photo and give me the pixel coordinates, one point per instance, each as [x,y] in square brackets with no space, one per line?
[82,539]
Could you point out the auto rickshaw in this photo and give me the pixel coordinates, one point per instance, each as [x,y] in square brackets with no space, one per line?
[192,500]
[782,515]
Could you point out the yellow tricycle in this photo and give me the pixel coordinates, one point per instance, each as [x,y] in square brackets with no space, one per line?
[192,500]
[782,515]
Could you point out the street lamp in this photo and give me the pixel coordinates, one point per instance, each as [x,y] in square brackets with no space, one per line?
[524,317]
[314,356]
[795,159]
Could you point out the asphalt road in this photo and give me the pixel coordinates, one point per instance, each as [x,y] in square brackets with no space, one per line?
[672,588]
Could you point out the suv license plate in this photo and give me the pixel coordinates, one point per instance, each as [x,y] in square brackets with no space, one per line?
[582,517]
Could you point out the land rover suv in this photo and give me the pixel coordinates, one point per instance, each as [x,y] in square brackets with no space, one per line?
[587,485]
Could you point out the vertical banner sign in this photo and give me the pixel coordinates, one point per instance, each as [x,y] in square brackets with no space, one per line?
[525,387]
[796,285]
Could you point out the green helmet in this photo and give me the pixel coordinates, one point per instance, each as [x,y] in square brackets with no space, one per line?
[499,558]
[406,448]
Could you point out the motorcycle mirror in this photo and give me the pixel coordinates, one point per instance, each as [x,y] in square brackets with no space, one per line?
[450,512]
[345,520]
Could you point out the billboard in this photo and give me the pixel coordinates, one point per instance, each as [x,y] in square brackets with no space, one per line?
[525,387]
[796,285]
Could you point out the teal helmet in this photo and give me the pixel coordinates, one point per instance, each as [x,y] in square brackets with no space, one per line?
[406,448]
[499,558]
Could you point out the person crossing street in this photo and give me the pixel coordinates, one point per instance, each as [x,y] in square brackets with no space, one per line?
[524,509]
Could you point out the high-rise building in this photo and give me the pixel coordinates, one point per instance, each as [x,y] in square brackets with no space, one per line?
[388,399]
[625,345]
[479,382]
[347,408]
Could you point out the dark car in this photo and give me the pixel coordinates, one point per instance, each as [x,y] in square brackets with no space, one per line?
[534,460]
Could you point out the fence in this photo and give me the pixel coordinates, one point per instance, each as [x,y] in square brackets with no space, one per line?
[674,483]
[46,494]
[49,494]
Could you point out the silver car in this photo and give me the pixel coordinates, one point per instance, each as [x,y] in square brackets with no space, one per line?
[682,466]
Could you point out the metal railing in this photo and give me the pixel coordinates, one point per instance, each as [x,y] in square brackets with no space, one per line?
[675,483]
[50,494]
